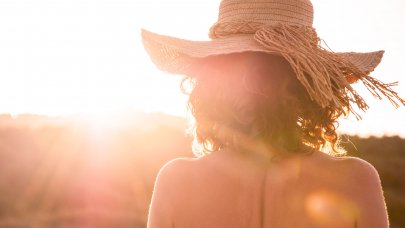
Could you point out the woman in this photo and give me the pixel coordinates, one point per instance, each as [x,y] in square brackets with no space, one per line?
[266,97]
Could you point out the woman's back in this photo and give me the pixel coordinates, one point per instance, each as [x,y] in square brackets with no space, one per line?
[227,189]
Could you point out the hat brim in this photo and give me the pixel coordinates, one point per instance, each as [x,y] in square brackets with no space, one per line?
[175,55]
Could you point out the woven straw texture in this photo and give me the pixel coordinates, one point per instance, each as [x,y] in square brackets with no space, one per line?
[280,27]
[170,53]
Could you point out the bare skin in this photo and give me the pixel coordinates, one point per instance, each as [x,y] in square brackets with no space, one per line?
[224,189]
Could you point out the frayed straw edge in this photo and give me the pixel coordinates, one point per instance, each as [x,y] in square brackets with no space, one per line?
[322,72]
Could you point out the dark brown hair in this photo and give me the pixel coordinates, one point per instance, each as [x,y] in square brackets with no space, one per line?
[255,97]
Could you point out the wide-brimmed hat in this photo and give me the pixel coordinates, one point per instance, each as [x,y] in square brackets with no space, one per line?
[280,27]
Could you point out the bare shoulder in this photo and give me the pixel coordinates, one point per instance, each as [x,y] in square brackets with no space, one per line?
[177,163]
[355,173]
[165,198]
[176,168]
[173,174]
[360,171]
[357,183]
[364,184]
[352,169]
[357,166]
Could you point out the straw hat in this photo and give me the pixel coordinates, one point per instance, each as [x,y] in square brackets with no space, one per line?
[280,27]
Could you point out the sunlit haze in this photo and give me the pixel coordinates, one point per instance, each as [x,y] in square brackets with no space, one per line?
[85,56]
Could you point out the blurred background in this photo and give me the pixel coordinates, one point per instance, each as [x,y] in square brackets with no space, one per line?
[87,120]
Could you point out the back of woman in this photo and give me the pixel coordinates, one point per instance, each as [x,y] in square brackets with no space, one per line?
[265,100]
[228,190]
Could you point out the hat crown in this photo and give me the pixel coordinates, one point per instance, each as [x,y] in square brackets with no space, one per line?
[289,12]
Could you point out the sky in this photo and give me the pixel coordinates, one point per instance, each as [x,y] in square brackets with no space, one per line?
[61,57]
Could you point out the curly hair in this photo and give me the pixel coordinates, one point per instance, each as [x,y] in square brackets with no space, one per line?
[247,99]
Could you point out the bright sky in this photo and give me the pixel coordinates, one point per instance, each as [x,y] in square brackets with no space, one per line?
[61,57]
